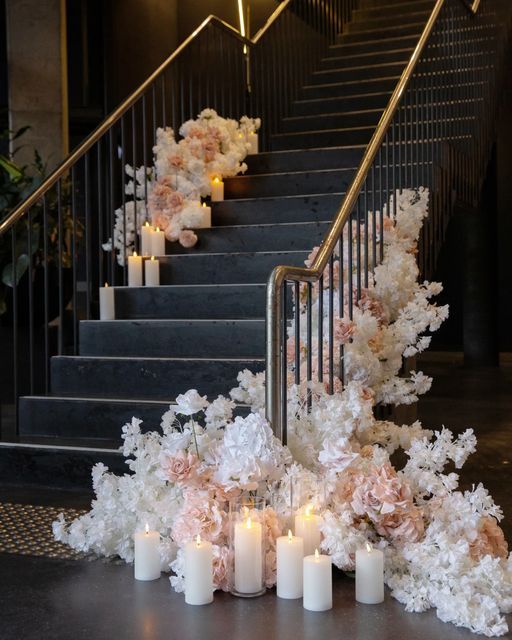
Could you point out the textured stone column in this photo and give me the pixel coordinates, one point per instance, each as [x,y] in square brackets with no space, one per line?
[36,56]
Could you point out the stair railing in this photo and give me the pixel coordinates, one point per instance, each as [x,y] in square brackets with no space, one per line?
[53,239]
[436,132]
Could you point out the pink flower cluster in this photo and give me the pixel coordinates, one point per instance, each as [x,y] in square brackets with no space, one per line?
[165,204]
[387,501]
[489,541]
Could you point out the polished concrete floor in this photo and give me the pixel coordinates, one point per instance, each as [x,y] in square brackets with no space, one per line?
[47,599]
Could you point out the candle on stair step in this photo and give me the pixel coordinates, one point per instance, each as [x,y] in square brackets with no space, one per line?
[217,190]
[205,218]
[134,270]
[157,243]
[152,272]
[107,303]
[145,239]
[147,563]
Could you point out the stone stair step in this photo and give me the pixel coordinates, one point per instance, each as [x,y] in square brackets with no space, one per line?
[312,138]
[388,19]
[231,268]
[173,338]
[359,45]
[54,465]
[289,183]
[355,73]
[400,55]
[283,161]
[191,301]
[356,102]
[91,419]
[340,89]
[397,30]
[272,237]
[317,207]
[390,6]
[295,124]
[146,378]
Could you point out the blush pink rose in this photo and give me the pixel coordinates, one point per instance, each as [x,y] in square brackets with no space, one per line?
[176,161]
[161,220]
[187,238]
[403,525]
[489,541]
[381,493]
[222,567]
[181,468]
[175,201]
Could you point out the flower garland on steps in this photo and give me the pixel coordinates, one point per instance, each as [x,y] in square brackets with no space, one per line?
[443,547]
[182,172]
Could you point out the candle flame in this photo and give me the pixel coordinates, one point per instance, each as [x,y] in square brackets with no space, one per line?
[204,204]
[146,224]
[369,547]
[158,229]
[249,523]
[317,555]
[147,528]
[198,540]
[290,535]
[309,509]
[216,180]
[106,284]
[152,257]
[134,254]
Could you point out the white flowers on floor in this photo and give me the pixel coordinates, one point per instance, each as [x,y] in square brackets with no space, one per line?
[443,547]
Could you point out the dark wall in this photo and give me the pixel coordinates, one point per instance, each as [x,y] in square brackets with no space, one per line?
[3,73]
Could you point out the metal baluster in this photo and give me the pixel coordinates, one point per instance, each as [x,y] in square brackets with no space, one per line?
[309,346]
[14,260]
[297,331]
[331,324]
[45,297]
[320,350]
[60,337]
[30,254]
[87,232]
[284,372]
[73,260]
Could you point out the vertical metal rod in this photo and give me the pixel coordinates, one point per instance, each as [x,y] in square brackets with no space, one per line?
[73,260]
[46,294]
[87,232]
[284,372]
[296,312]
[320,346]
[30,252]
[14,260]
[60,338]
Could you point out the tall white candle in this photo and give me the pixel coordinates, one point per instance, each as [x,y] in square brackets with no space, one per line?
[252,139]
[217,190]
[147,555]
[290,559]
[134,270]
[307,526]
[107,303]
[369,575]
[145,239]
[317,582]
[248,556]
[152,272]
[157,243]
[198,572]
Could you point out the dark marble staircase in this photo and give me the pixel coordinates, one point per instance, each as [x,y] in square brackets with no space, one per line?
[206,322]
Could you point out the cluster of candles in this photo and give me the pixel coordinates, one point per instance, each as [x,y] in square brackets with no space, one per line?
[302,572]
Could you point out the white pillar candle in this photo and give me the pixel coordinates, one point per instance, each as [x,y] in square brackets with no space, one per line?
[157,243]
[248,557]
[369,575]
[307,526]
[317,582]
[206,217]
[217,190]
[145,239]
[107,303]
[252,139]
[198,572]
[152,272]
[147,555]
[290,559]
[134,270]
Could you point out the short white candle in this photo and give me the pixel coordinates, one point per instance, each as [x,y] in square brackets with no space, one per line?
[206,217]
[147,555]
[107,303]
[217,190]
[307,526]
[198,572]
[252,139]
[134,270]
[157,243]
[145,239]
[290,559]
[317,582]
[369,575]
[248,557]
[152,272]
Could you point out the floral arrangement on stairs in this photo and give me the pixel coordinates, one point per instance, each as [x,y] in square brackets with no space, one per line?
[443,547]
[182,173]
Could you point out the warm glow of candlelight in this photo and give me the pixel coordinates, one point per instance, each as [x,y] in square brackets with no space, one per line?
[146,224]
[106,284]
[369,547]
[248,523]
[216,180]
[290,535]
[198,540]
[152,257]
[158,229]
[317,555]
[134,254]
[147,528]
[204,204]
[309,509]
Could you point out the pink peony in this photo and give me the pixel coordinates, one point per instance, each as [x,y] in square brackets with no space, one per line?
[175,201]
[403,526]
[176,161]
[368,303]
[161,220]
[210,149]
[489,541]
[172,232]
[200,515]
[381,493]
[222,567]
[181,468]
[187,238]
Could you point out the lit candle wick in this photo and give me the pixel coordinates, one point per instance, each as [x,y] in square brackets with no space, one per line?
[158,229]
[147,529]
[317,555]
[106,284]
[146,224]
[290,535]
[248,523]
[135,254]
[198,540]
[152,257]
[369,547]
[204,204]
[309,508]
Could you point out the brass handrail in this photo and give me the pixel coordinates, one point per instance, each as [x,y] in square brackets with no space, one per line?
[113,117]
[282,273]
